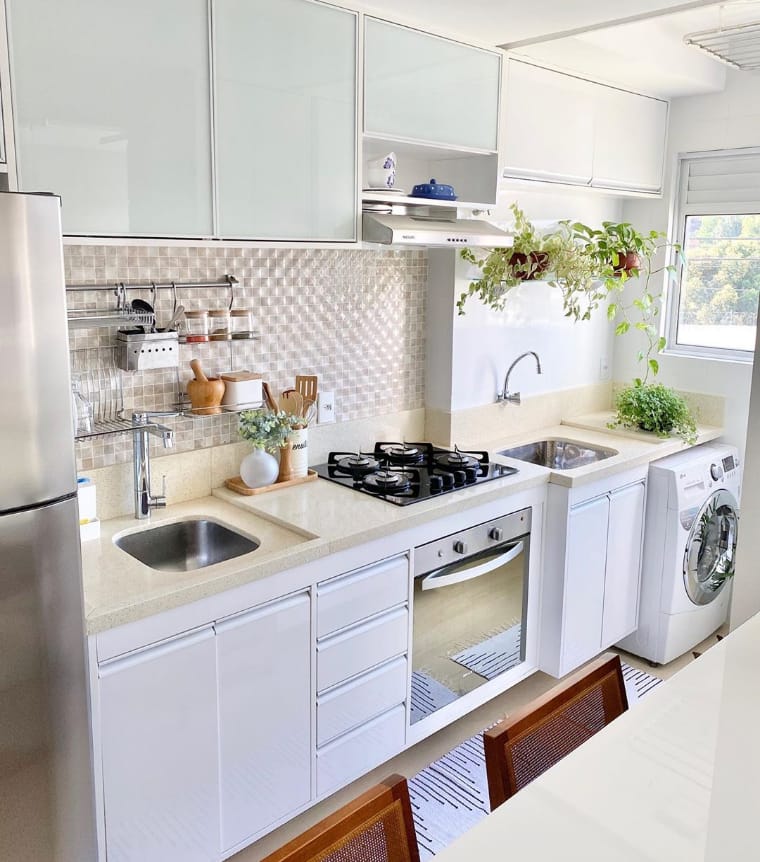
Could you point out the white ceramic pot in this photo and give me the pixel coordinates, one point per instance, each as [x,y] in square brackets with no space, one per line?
[299,459]
[259,468]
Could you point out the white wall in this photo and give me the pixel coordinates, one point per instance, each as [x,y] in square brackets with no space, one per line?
[711,122]
[484,342]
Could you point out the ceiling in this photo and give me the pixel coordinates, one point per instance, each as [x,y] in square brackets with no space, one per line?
[638,45]
[498,22]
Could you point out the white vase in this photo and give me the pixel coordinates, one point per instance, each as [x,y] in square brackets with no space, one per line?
[258,469]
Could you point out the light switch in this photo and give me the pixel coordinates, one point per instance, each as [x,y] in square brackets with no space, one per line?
[325,407]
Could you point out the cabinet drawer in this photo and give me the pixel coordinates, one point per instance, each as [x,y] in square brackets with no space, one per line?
[361,750]
[349,598]
[358,649]
[361,699]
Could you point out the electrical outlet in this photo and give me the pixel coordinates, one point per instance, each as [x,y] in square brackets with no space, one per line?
[325,407]
[604,368]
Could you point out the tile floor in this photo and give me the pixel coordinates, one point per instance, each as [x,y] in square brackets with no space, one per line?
[411,761]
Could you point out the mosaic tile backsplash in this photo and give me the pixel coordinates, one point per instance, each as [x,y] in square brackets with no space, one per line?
[355,318]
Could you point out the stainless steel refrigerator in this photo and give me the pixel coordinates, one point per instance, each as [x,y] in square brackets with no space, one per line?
[46,783]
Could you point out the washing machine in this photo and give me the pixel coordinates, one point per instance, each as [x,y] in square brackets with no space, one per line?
[690,533]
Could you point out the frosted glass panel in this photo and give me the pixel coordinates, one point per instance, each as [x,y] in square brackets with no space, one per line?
[285,119]
[113,112]
[424,88]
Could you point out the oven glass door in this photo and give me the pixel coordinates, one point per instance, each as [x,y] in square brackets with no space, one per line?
[469,625]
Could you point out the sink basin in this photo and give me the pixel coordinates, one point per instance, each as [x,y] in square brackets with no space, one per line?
[559,454]
[185,545]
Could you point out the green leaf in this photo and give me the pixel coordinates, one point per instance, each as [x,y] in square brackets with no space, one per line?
[622,327]
[611,310]
[654,365]
[661,343]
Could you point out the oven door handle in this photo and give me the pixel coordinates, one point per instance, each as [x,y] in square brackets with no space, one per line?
[459,573]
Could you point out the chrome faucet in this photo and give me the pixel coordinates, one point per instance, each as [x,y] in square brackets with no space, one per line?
[507,397]
[143,427]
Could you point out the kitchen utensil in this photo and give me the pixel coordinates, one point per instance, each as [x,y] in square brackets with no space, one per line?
[175,318]
[205,392]
[141,307]
[306,384]
[242,389]
[434,190]
[270,400]
[292,402]
[309,411]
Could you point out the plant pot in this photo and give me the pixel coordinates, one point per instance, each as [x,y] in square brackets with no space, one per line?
[529,267]
[626,262]
[259,469]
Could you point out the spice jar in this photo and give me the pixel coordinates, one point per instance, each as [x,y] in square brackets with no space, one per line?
[197,326]
[241,323]
[219,324]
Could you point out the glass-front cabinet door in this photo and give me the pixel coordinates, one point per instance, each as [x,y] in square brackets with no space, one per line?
[112,112]
[428,89]
[285,99]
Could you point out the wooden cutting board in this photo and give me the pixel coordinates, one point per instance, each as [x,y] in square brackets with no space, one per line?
[238,485]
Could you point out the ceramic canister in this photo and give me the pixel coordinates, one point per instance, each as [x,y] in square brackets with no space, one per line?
[299,459]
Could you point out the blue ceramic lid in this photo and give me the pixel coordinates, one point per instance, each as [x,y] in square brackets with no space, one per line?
[439,191]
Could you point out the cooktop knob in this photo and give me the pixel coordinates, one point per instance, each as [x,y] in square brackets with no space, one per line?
[448,480]
[460,548]
[471,474]
[716,471]
[460,477]
[496,533]
[436,484]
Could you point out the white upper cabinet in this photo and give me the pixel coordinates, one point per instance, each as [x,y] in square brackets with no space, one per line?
[560,128]
[423,88]
[549,125]
[112,112]
[285,82]
[629,141]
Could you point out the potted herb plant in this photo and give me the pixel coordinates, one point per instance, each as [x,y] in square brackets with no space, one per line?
[267,431]
[656,408]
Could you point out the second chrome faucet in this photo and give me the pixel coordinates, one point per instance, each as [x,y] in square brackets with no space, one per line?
[507,397]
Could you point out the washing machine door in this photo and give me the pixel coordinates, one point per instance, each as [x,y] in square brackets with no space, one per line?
[711,547]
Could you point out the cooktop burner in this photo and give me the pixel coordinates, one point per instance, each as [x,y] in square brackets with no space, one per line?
[405,473]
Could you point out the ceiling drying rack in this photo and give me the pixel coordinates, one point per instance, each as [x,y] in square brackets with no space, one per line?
[124,314]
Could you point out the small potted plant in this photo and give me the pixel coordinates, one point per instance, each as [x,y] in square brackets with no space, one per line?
[268,432]
[656,408]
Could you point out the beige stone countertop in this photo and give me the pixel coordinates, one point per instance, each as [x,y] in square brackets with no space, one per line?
[295,525]
[633,448]
[302,523]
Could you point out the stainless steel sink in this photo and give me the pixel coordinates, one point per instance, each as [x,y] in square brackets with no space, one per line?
[559,454]
[185,545]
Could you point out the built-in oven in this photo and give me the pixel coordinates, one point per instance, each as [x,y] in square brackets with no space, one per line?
[469,610]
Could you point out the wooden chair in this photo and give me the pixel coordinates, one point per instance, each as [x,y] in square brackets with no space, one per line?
[375,827]
[522,746]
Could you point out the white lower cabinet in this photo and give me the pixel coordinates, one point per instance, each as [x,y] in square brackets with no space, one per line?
[160,763]
[592,571]
[360,750]
[264,662]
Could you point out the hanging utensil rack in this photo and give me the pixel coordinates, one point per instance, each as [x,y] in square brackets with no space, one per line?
[123,315]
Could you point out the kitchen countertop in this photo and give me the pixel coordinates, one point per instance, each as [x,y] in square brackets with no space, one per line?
[303,523]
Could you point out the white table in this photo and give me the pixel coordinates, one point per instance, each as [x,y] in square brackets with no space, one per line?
[675,779]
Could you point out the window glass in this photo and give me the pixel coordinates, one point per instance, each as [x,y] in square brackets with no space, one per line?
[720,281]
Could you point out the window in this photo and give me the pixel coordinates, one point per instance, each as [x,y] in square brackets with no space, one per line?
[713,307]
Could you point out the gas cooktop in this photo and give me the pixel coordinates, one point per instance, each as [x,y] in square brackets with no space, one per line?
[406,473]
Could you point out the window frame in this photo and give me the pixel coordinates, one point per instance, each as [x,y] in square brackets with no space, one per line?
[679,212]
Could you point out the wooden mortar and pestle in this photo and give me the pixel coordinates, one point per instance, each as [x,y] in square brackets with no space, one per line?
[205,393]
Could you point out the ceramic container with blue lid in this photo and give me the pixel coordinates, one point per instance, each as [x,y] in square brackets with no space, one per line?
[434,190]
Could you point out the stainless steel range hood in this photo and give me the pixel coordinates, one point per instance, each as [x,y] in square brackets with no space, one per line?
[431,232]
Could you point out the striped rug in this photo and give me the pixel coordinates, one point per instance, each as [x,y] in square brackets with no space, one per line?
[451,795]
